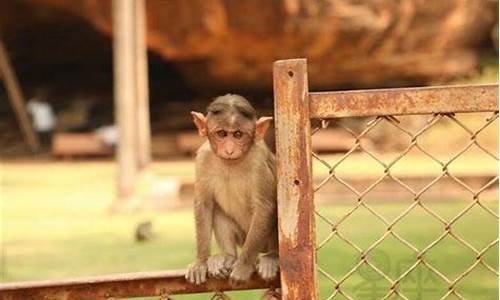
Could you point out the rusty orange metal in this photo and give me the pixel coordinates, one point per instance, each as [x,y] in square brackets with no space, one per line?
[160,283]
[294,172]
[404,101]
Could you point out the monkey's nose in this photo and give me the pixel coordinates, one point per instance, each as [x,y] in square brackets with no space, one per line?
[229,152]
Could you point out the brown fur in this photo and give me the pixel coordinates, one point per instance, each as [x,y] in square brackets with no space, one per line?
[235,195]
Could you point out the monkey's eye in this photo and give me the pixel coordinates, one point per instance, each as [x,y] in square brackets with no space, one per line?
[221,133]
[237,134]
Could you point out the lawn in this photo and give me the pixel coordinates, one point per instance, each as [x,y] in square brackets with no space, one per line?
[55,224]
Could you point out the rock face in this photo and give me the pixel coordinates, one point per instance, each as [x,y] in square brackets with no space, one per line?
[348,43]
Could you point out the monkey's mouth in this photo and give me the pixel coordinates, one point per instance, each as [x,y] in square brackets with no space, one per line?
[232,159]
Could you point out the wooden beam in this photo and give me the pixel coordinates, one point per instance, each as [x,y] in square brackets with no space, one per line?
[125,99]
[17,99]
[142,85]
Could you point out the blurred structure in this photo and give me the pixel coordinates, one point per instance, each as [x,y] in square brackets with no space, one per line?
[231,44]
[198,49]
[17,101]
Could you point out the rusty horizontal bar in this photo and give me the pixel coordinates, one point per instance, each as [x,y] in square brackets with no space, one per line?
[404,101]
[143,284]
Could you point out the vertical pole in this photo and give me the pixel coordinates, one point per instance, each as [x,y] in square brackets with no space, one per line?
[141,53]
[17,99]
[294,172]
[124,94]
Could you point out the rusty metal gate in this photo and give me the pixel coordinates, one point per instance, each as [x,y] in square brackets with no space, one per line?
[300,243]
[302,261]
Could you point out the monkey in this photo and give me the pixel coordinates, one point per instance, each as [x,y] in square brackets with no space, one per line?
[235,194]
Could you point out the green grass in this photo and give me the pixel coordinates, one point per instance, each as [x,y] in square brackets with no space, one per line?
[71,234]
[393,257]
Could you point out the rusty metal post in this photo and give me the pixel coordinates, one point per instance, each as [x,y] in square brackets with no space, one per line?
[294,172]
[124,89]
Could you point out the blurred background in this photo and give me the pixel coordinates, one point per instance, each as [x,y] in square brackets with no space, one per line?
[57,218]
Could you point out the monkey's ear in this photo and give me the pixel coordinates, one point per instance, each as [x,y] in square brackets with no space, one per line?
[200,122]
[261,127]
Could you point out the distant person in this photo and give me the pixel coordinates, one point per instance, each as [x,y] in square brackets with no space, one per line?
[44,119]
[108,135]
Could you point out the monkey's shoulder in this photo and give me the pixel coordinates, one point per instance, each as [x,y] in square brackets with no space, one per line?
[203,150]
[265,161]
[204,155]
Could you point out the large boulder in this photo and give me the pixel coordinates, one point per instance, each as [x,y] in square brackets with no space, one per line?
[348,43]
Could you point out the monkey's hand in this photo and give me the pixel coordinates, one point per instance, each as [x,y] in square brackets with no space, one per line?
[220,265]
[241,272]
[268,266]
[197,272]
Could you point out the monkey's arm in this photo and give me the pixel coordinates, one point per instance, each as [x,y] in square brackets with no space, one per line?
[263,222]
[203,211]
[261,226]
[264,218]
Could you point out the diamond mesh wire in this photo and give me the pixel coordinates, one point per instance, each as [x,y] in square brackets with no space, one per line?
[368,260]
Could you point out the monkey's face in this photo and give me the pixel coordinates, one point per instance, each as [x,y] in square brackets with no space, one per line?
[230,143]
[231,126]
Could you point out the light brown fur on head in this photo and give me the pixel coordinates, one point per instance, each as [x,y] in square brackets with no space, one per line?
[235,194]
[231,126]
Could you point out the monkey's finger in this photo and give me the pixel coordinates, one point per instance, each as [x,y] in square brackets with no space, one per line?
[189,276]
[268,271]
[197,277]
[220,266]
[220,274]
[213,270]
[210,266]
[229,262]
[217,274]
[203,277]
[267,274]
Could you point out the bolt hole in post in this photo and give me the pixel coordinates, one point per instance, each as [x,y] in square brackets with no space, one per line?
[296,182]
[290,73]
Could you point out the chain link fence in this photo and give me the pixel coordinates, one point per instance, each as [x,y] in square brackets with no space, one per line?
[421,224]
[371,264]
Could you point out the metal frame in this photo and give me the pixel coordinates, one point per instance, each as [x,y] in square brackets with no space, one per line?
[160,283]
[294,107]
[404,101]
[294,172]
